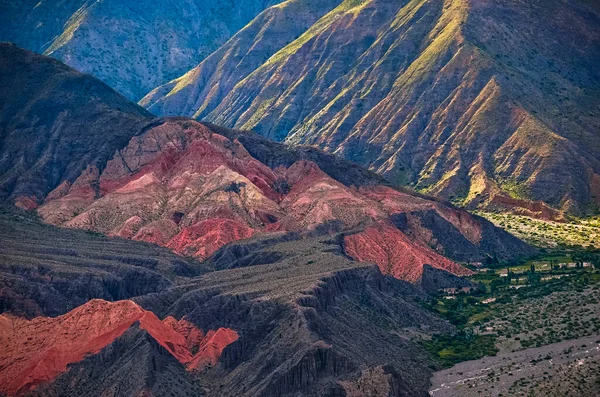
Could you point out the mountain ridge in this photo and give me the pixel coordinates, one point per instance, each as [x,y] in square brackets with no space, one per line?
[449,97]
[131,46]
[52,124]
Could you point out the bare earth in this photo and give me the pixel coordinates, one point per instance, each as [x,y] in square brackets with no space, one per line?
[568,368]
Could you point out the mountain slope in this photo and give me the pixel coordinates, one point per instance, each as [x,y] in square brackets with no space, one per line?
[280,306]
[37,351]
[48,271]
[199,91]
[312,323]
[54,122]
[131,46]
[34,24]
[185,187]
[485,103]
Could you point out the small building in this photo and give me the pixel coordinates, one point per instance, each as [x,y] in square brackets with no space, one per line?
[451,291]
[455,291]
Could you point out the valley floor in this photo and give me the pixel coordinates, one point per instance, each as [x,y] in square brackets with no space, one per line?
[544,233]
[568,368]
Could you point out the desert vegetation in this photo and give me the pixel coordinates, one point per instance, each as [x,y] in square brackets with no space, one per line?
[542,233]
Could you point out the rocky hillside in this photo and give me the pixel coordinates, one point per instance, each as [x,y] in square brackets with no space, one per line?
[280,328]
[29,355]
[49,271]
[55,121]
[131,46]
[490,104]
[183,186]
[108,167]
[287,281]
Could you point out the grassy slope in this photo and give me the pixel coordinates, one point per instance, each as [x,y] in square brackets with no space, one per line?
[465,100]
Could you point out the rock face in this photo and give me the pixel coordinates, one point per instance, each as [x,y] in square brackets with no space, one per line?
[433,280]
[466,100]
[395,254]
[310,323]
[131,46]
[54,122]
[194,188]
[185,187]
[47,271]
[38,350]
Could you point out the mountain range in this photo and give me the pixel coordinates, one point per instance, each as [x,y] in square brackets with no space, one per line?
[276,198]
[133,46]
[195,188]
[282,251]
[485,103]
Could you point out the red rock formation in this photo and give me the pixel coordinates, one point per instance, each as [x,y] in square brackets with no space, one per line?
[395,253]
[39,350]
[204,238]
[26,203]
[185,187]
[535,209]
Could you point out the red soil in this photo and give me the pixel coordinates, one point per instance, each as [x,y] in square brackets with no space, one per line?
[395,253]
[39,350]
[222,194]
[203,239]
[26,203]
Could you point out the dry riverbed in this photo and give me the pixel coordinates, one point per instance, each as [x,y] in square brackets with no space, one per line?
[568,368]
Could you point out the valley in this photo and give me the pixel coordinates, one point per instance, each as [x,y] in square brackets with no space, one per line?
[300,198]
[539,336]
[570,368]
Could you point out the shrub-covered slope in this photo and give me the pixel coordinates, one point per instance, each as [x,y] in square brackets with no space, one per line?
[488,103]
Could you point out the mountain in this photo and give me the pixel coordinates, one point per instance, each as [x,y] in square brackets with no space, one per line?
[310,322]
[47,271]
[30,356]
[184,186]
[192,259]
[107,166]
[485,103]
[55,121]
[131,46]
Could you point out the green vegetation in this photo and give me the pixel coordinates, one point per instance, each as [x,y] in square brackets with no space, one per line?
[520,305]
[450,350]
[319,27]
[515,189]
[542,233]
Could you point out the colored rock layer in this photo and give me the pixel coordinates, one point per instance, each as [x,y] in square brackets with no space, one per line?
[184,187]
[395,253]
[39,350]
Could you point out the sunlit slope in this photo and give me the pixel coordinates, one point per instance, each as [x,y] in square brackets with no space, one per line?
[489,104]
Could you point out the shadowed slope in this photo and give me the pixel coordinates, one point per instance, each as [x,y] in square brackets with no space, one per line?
[54,122]
[47,271]
[313,323]
[131,46]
